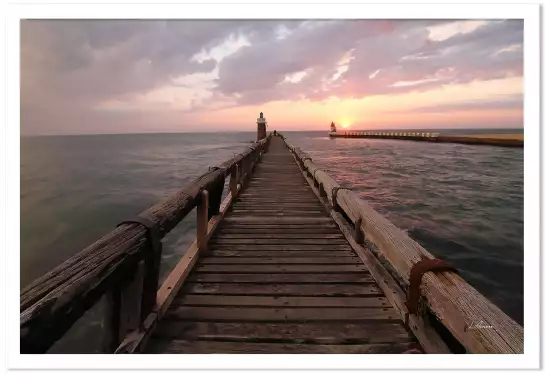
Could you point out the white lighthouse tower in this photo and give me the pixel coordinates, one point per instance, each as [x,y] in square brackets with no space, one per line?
[333,127]
[261,127]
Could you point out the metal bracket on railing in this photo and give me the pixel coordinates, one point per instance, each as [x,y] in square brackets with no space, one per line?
[417,272]
[334,191]
[314,177]
[151,230]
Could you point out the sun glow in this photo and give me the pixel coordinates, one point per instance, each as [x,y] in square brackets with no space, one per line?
[345,125]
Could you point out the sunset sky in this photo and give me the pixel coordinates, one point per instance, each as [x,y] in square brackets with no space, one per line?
[92,76]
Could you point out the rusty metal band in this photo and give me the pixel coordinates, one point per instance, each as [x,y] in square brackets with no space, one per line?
[415,278]
[152,232]
[334,194]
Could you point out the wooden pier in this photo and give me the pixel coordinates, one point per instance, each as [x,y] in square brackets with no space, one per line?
[502,140]
[289,262]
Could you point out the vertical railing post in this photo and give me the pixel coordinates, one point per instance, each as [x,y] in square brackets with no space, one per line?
[202,221]
[233,181]
[244,176]
[123,312]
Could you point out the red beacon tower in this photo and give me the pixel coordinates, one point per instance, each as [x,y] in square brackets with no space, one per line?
[333,128]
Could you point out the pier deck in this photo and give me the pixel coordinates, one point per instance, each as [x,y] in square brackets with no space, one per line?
[279,277]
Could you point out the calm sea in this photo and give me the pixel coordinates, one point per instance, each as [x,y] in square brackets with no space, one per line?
[462,203]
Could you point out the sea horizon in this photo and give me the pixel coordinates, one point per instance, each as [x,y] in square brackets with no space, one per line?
[482,130]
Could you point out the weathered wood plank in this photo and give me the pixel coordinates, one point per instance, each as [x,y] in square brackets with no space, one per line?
[302,227]
[284,241]
[272,260]
[331,248]
[280,235]
[309,333]
[219,314]
[275,206]
[281,254]
[180,346]
[278,230]
[279,269]
[362,277]
[275,213]
[280,289]
[283,301]
[278,220]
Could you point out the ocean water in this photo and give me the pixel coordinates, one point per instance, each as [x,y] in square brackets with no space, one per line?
[462,203]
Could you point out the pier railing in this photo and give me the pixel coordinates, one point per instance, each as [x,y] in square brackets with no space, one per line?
[477,324]
[388,134]
[123,266]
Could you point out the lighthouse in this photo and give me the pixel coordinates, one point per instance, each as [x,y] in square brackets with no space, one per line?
[333,128]
[261,127]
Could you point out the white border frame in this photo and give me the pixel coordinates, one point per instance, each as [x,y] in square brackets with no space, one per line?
[529,12]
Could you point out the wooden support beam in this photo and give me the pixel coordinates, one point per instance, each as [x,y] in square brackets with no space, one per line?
[233,181]
[202,221]
[123,309]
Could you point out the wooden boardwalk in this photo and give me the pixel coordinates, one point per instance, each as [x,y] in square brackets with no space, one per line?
[280,277]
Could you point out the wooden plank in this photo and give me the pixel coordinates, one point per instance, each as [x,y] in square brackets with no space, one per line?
[279,269]
[278,235]
[277,206]
[272,199]
[281,254]
[191,347]
[283,301]
[278,220]
[301,289]
[271,241]
[272,260]
[278,230]
[281,212]
[219,314]
[332,248]
[282,278]
[310,333]
[280,227]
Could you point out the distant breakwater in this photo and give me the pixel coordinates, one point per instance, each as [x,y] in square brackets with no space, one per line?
[502,140]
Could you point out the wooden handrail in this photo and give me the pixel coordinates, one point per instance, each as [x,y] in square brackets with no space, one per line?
[114,265]
[454,303]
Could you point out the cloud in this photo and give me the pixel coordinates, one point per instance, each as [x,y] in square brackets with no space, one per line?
[84,68]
